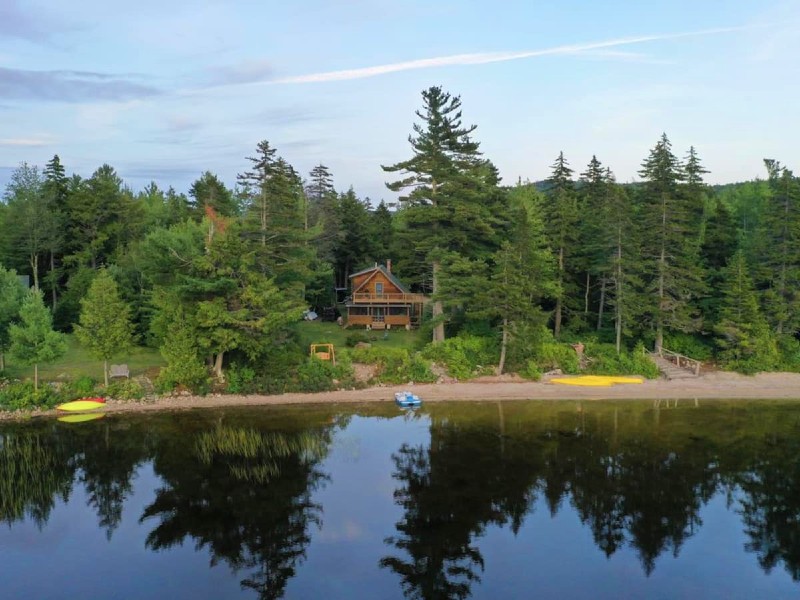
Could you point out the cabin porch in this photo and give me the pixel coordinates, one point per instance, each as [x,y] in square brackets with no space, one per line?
[382,317]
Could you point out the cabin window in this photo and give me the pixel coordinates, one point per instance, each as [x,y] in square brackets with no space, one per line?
[379,288]
[398,310]
[358,310]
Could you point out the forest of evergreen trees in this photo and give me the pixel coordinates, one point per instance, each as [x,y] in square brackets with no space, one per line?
[217,276]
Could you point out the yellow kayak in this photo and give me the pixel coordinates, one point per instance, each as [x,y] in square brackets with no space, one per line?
[81,405]
[595,380]
[81,418]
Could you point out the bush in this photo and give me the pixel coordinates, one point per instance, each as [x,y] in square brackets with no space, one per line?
[357,337]
[789,348]
[241,380]
[689,345]
[531,371]
[464,356]
[126,389]
[395,365]
[317,375]
[606,361]
[192,375]
[184,366]
[78,388]
[20,395]
[762,353]
[557,356]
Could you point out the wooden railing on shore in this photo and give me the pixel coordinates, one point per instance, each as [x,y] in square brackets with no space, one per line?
[680,360]
[368,298]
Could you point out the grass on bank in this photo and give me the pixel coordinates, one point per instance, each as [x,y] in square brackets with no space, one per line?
[77,362]
[319,332]
[141,360]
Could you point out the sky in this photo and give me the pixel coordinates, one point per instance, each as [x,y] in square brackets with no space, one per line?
[164,90]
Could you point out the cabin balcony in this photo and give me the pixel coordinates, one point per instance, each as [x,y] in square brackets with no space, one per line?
[389,298]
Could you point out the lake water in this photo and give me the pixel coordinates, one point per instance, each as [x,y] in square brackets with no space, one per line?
[456,500]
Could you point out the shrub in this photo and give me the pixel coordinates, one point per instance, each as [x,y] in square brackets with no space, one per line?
[464,355]
[606,361]
[557,356]
[357,337]
[78,388]
[317,375]
[126,389]
[531,371]
[20,395]
[192,375]
[241,380]
[395,365]
[761,354]
[526,343]
[184,365]
[415,368]
[789,348]
[689,345]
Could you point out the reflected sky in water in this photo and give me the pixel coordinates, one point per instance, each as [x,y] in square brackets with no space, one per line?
[472,500]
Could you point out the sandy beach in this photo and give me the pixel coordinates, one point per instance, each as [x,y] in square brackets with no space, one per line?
[719,385]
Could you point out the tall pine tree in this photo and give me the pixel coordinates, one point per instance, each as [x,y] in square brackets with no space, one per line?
[779,250]
[274,221]
[742,333]
[591,254]
[670,250]
[561,219]
[522,276]
[56,190]
[621,267]
[451,205]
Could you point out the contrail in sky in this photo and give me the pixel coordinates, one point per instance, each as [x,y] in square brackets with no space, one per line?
[483,58]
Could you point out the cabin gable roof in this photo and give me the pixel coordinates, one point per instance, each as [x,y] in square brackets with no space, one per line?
[380,269]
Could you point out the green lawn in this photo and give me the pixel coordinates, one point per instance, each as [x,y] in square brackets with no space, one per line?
[77,362]
[317,332]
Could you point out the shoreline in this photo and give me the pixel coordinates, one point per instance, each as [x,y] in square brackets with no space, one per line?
[715,385]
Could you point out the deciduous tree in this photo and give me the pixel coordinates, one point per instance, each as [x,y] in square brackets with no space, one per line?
[12,293]
[33,340]
[105,326]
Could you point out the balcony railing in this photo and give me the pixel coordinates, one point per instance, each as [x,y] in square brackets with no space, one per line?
[369,298]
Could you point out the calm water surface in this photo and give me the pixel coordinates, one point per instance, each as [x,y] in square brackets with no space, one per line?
[472,500]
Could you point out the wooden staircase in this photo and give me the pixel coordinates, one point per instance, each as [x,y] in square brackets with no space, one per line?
[675,366]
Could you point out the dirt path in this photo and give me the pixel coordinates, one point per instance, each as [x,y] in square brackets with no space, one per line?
[713,385]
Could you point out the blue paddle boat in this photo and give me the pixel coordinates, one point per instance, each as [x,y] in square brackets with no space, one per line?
[407,399]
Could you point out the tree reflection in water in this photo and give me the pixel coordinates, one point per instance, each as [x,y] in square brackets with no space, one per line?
[469,477]
[243,488]
[246,496]
[770,503]
[640,481]
[35,470]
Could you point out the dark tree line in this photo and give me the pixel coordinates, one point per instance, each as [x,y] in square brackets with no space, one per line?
[668,261]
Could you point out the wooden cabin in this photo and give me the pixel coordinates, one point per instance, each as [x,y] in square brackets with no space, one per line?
[380,301]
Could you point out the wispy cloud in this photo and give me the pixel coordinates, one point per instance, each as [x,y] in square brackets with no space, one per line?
[246,72]
[30,141]
[483,58]
[70,86]
[622,56]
